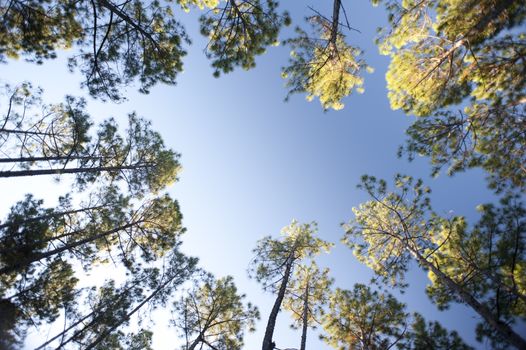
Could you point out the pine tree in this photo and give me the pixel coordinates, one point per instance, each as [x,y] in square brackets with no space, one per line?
[459,67]
[307,293]
[362,319]
[110,307]
[38,139]
[324,65]
[477,267]
[213,315]
[275,261]
[117,44]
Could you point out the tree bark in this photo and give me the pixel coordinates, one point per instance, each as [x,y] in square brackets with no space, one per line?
[269,331]
[195,343]
[335,21]
[305,318]
[27,132]
[18,173]
[502,328]
[50,158]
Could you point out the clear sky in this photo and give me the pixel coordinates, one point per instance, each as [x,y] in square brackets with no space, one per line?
[252,162]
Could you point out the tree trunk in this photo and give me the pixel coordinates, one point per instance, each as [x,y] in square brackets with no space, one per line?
[127,317]
[37,257]
[305,318]
[269,331]
[45,159]
[335,21]
[18,173]
[81,320]
[195,343]
[502,328]
[27,132]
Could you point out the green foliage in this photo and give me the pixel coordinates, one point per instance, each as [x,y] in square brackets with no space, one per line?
[55,139]
[324,65]
[36,293]
[363,319]
[487,260]
[239,30]
[105,228]
[115,44]
[307,293]
[109,309]
[140,158]
[275,261]
[478,266]
[443,51]
[298,242]
[35,298]
[201,4]
[481,136]
[120,229]
[382,228]
[119,44]
[431,335]
[214,315]
[466,56]
[31,129]
[36,28]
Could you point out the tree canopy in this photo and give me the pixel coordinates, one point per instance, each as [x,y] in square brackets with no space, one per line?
[307,294]
[276,259]
[213,315]
[477,267]
[459,67]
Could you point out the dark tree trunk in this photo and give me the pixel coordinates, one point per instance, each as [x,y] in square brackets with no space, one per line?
[46,159]
[18,173]
[500,327]
[305,318]
[195,343]
[335,21]
[269,331]
[27,132]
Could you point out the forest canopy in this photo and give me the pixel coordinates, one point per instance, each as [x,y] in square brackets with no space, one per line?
[457,68]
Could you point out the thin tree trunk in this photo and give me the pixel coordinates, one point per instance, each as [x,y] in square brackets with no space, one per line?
[335,21]
[26,132]
[501,327]
[37,257]
[93,321]
[305,318]
[81,320]
[70,170]
[269,331]
[195,343]
[50,158]
[127,317]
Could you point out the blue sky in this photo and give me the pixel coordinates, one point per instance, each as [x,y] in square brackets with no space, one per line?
[252,162]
